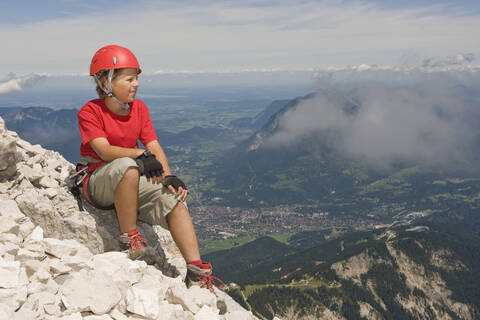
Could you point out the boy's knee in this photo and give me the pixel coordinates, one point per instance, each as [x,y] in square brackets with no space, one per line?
[124,163]
[132,173]
[180,207]
[125,166]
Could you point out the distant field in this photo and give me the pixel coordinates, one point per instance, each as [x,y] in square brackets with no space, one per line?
[212,245]
[282,237]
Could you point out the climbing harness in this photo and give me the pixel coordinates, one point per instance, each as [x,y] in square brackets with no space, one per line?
[78,184]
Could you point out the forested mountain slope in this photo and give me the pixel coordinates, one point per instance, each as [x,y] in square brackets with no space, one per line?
[424,271]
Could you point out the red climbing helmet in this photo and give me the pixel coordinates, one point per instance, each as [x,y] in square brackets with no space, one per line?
[113,57]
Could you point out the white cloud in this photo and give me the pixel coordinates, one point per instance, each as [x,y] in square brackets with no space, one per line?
[457,60]
[382,117]
[203,35]
[11,82]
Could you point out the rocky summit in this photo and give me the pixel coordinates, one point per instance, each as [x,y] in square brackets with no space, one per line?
[59,262]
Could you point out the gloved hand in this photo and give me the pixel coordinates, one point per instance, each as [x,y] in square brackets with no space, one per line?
[149,165]
[174,181]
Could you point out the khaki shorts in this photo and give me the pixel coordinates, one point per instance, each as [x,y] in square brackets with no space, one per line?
[155,201]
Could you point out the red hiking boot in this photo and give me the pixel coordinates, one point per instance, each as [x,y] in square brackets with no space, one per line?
[136,246]
[202,276]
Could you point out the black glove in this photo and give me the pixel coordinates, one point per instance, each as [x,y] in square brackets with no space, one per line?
[149,165]
[175,182]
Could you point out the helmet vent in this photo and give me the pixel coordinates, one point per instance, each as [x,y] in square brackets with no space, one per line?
[114,60]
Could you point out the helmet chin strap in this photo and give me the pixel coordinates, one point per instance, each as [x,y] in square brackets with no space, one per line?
[108,91]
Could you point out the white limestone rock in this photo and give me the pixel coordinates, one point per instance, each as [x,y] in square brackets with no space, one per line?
[34,162]
[65,171]
[19,187]
[95,317]
[144,298]
[36,302]
[37,286]
[111,257]
[50,193]
[54,164]
[192,299]
[240,315]
[207,313]
[169,311]
[13,297]
[52,309]
[59,248]
[57,267]
[48,182]
[180,315]
[8,248]
[24,255]
[6,311]
[9,209]
[116,314]
[231,304]
[60,222]
[35,246]
[12,275]
[8,156]
[4,187]
[42,275]
[3,128]
[35,236]
[26,313]
[73,316]
[117,265]
[32,150]
[121,306]
[32,266]
[77,263]
[11,238]
[90,291]
[67,247]
[8,257]
[32,173]
[157,275]
[26,227]
[9,226]
[82,228]
[40,210]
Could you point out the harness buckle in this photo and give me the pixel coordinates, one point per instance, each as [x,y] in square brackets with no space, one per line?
[78,172]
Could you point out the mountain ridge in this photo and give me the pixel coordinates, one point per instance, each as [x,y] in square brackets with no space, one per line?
[410,272]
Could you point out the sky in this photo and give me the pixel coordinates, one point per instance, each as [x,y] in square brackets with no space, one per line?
[59,37]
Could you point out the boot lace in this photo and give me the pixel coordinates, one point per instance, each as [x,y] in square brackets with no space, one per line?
[208,281]
[136,241]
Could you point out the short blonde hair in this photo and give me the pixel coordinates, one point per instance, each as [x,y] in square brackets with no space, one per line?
[102,76]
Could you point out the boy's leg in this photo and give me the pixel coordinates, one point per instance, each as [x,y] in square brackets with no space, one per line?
[183,232]
[117,182]
[158,206]
[126,200]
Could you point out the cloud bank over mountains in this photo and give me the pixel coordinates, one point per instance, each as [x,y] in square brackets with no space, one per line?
[11,82]
[386,116]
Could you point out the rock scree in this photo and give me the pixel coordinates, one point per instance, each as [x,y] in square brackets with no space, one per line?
[57,262]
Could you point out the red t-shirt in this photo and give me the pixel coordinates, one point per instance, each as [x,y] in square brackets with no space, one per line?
[96,120]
